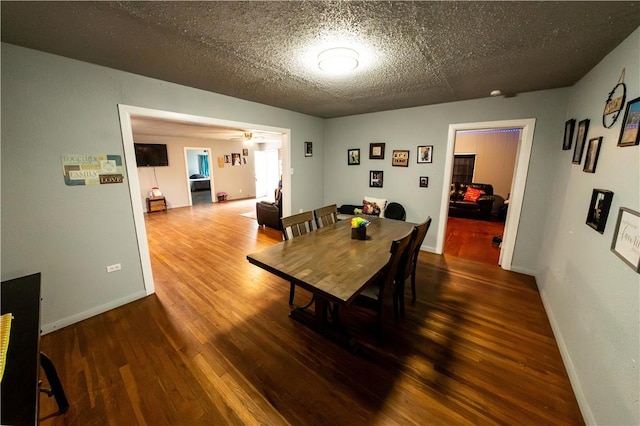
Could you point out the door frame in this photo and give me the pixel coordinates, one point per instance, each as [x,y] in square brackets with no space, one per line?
[518,184]
[125,112]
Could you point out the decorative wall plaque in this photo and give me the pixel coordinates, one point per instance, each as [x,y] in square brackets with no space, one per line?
[614,103]
[98,169]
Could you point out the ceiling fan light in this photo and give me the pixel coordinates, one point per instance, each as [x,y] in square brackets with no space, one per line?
[338,60]
[248,139]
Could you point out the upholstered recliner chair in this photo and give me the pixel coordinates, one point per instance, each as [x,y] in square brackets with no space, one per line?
[269,213]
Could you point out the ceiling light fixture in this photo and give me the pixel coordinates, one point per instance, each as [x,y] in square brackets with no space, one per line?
[496,93]
[338,60]
[248,139]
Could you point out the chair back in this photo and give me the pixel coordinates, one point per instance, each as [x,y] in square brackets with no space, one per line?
[398,254]
[297,224]
[411,258]
[395,211]
[326,215]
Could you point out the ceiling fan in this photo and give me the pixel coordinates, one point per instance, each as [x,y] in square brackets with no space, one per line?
[249,138]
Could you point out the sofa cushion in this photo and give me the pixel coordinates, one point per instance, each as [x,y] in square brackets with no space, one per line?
[374,206]
[472,194]
[370,208]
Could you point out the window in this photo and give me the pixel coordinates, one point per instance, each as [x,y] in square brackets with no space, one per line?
[463,165]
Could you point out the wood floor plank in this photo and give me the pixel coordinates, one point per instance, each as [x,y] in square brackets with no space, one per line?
[471,239]
[215,345]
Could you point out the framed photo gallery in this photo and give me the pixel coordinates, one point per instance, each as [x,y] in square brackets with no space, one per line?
[629,134]
[626,236]
[399,158]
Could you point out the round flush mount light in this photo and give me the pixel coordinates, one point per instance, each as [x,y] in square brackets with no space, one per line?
[496,93]
[338,60]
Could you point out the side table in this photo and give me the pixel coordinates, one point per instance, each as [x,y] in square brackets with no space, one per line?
[156,204]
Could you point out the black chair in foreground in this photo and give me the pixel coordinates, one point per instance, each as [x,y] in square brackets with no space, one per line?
[409,268]
[297,224]
[374,295]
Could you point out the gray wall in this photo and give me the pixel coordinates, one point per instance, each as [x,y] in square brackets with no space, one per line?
[53,106]
[592,298]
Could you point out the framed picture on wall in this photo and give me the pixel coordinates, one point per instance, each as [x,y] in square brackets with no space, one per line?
[376,178]
[569,128]
[400,158]
[353,157]
[424,181]
[593,151]
[626,237]
[425,154]
[629,134]
[581,138]
[376,151]
[599,209]
[308,149]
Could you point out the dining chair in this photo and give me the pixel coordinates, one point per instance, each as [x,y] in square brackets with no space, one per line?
[395,211]
[326,215]
[297,224]
[411,259]
[373,296]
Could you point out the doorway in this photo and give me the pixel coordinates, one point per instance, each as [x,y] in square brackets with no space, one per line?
[267,171]
[516,193]
[199,176]
[126,112]
[486,158]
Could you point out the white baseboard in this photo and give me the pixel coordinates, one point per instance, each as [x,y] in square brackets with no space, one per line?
[520,270]
[64,322]
[568,364]
[428,249]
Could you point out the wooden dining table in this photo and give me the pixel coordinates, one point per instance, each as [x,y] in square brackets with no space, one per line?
[330,264]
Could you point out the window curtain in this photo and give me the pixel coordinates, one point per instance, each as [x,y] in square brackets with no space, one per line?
[463,166]
[203,164]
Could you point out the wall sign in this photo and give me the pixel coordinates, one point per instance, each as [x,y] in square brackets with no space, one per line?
[614,103]
[99,169]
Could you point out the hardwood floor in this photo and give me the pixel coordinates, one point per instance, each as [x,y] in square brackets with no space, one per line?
[471,239]
[215,345]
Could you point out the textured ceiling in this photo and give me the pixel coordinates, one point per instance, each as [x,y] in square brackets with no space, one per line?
[412,53]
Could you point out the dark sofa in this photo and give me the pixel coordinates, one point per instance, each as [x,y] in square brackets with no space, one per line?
[480,209]
[269,213]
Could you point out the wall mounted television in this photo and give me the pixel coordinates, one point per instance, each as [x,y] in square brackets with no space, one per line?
[151,155]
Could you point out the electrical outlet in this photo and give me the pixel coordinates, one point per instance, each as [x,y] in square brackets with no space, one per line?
[113,268]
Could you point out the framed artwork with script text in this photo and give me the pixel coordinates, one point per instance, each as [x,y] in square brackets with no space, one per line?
[626,238]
